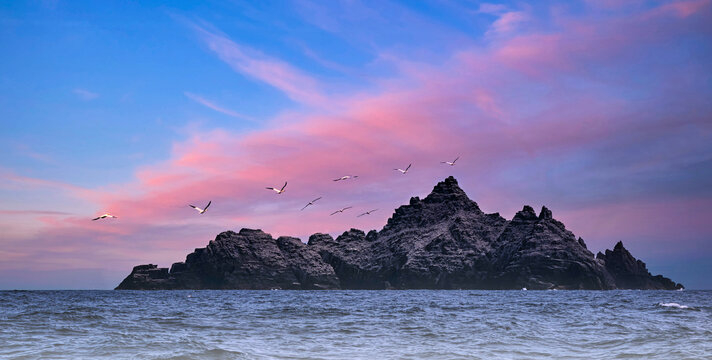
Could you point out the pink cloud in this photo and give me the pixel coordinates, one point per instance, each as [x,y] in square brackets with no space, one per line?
[480,105]
[371,135]
[614,4]
[683,9]
[580,43]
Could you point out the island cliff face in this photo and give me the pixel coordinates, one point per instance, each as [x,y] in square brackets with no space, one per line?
[443,241]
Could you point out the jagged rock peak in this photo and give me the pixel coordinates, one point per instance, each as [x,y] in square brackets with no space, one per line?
[526,214]
[356,231]
[320,238]
[545,213]
[445,199]
[226,234]
[448,187]
[582,243]
[352,234]
[441,242]
[631,273]
[245,231]
[448,191]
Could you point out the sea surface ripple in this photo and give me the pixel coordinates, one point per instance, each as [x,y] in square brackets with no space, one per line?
[413,324]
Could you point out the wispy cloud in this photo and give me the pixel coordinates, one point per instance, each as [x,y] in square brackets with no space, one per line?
[33,212]
[507,23]
[494,9]
[296,84]
[211,105]
[25,150]
[459,105]
[528,119]
[13,180]
[85,94]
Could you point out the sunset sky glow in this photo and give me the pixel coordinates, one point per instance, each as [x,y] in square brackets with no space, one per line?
[600,110]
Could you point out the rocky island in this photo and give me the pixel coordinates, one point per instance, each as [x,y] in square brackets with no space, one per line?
[443,241]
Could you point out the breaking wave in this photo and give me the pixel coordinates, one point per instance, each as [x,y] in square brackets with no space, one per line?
[673,305]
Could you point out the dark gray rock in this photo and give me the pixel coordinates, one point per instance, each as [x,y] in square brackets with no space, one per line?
[347,255]
[250,259]
[147,277]
[540,253]
[443,241]
[630,273]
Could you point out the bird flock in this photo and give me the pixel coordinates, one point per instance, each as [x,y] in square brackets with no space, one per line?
[281,190]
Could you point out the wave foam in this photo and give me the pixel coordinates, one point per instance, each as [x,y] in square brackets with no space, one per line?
[675,305]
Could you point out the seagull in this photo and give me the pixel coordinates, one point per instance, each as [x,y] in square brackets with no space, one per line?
[367,212]
[451,163]
[279,191]
[404,171]
[199,210]
[341,210]
[107,215]
[311,203]
[346,177]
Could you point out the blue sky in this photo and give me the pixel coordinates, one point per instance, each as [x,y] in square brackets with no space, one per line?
[598,109]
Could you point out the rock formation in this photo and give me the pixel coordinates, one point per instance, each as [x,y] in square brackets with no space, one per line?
[250,259]
[443,241]
[630,273]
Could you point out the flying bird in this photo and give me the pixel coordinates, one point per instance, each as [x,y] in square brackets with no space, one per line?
[107,215]
[311,203]
[199,210]
[279,191]
[404,171]
[451,163]
[341,210]
[367,212]
[346,177]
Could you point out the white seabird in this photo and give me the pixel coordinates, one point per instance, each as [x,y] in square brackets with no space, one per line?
[311,203]
[367,212]
[451,163]
[107,215]
[199,210]
[346,177]
[404,171]
[340,210]
[279,191]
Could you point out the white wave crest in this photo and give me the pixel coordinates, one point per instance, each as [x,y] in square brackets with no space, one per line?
[675,305]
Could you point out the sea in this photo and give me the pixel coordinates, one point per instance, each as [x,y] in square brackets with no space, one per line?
[409,324]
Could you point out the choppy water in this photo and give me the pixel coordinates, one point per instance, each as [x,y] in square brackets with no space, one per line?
[356,324]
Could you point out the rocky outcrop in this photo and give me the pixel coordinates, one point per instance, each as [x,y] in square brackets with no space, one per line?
[147,277]
[538,252]
[443,241]
[630,273]
[250,259]
[440,242]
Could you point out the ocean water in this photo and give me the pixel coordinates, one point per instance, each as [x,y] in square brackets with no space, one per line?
[356,324]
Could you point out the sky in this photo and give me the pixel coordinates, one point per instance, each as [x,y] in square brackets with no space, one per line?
[599,109]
